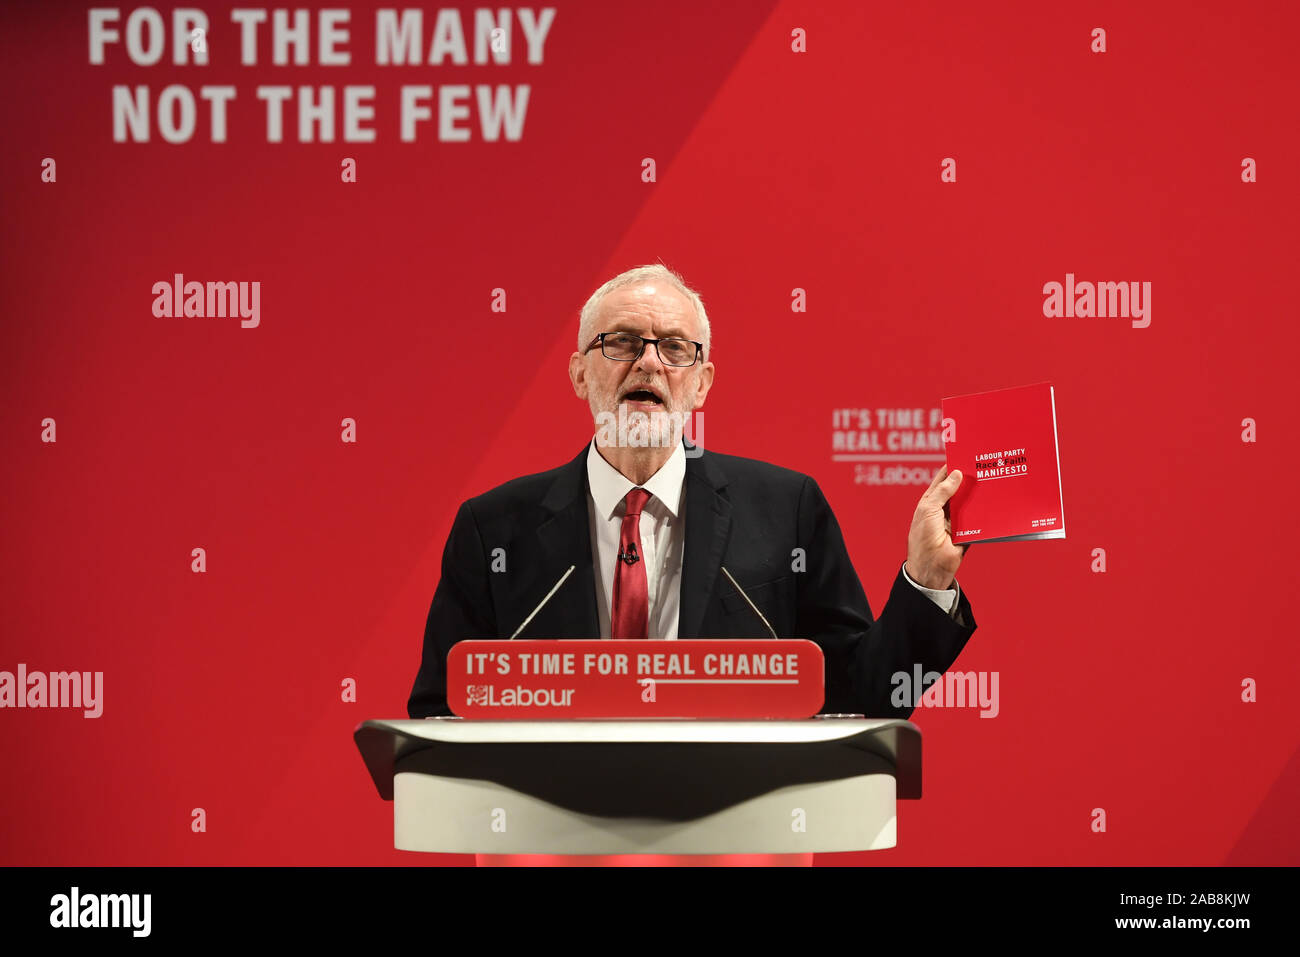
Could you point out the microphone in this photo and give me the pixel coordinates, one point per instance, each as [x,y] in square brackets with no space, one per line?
[736,585]
[554,589]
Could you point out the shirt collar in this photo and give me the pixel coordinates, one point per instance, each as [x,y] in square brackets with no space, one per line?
[609,486]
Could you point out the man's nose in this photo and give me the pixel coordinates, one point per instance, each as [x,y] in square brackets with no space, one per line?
[649,360]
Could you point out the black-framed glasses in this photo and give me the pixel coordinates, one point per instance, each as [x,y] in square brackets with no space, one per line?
[626,347]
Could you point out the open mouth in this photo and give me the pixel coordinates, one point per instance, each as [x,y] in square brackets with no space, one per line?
[644,396]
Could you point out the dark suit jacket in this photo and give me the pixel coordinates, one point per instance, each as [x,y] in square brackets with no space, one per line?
[741,513]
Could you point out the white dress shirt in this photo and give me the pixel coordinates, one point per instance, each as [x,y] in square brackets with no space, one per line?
[663,537]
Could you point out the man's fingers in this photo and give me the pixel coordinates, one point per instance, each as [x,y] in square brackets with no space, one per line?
[939,476]
[944,490]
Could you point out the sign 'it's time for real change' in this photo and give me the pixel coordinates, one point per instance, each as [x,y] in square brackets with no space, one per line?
[621,678]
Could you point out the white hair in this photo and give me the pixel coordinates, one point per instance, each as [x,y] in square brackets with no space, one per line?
[587,318]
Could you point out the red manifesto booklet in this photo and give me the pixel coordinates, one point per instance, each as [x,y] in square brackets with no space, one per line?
[1005,444]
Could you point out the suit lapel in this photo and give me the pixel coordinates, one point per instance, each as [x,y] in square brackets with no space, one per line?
[708,523]
[565,538]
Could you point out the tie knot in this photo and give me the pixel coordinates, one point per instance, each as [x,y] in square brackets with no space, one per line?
[636,500]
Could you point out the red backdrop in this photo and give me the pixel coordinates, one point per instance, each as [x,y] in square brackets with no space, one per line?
[776,170]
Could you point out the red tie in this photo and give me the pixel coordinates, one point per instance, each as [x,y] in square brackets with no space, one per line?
[631,593]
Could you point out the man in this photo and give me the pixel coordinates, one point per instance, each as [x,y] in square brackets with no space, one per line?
[649,527]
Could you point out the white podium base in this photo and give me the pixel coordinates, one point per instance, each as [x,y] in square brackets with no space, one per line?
[466,816]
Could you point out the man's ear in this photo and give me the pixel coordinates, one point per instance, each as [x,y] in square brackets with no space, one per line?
[705,384]
[578,374]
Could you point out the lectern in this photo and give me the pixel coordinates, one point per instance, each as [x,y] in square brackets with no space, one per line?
[660,786]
